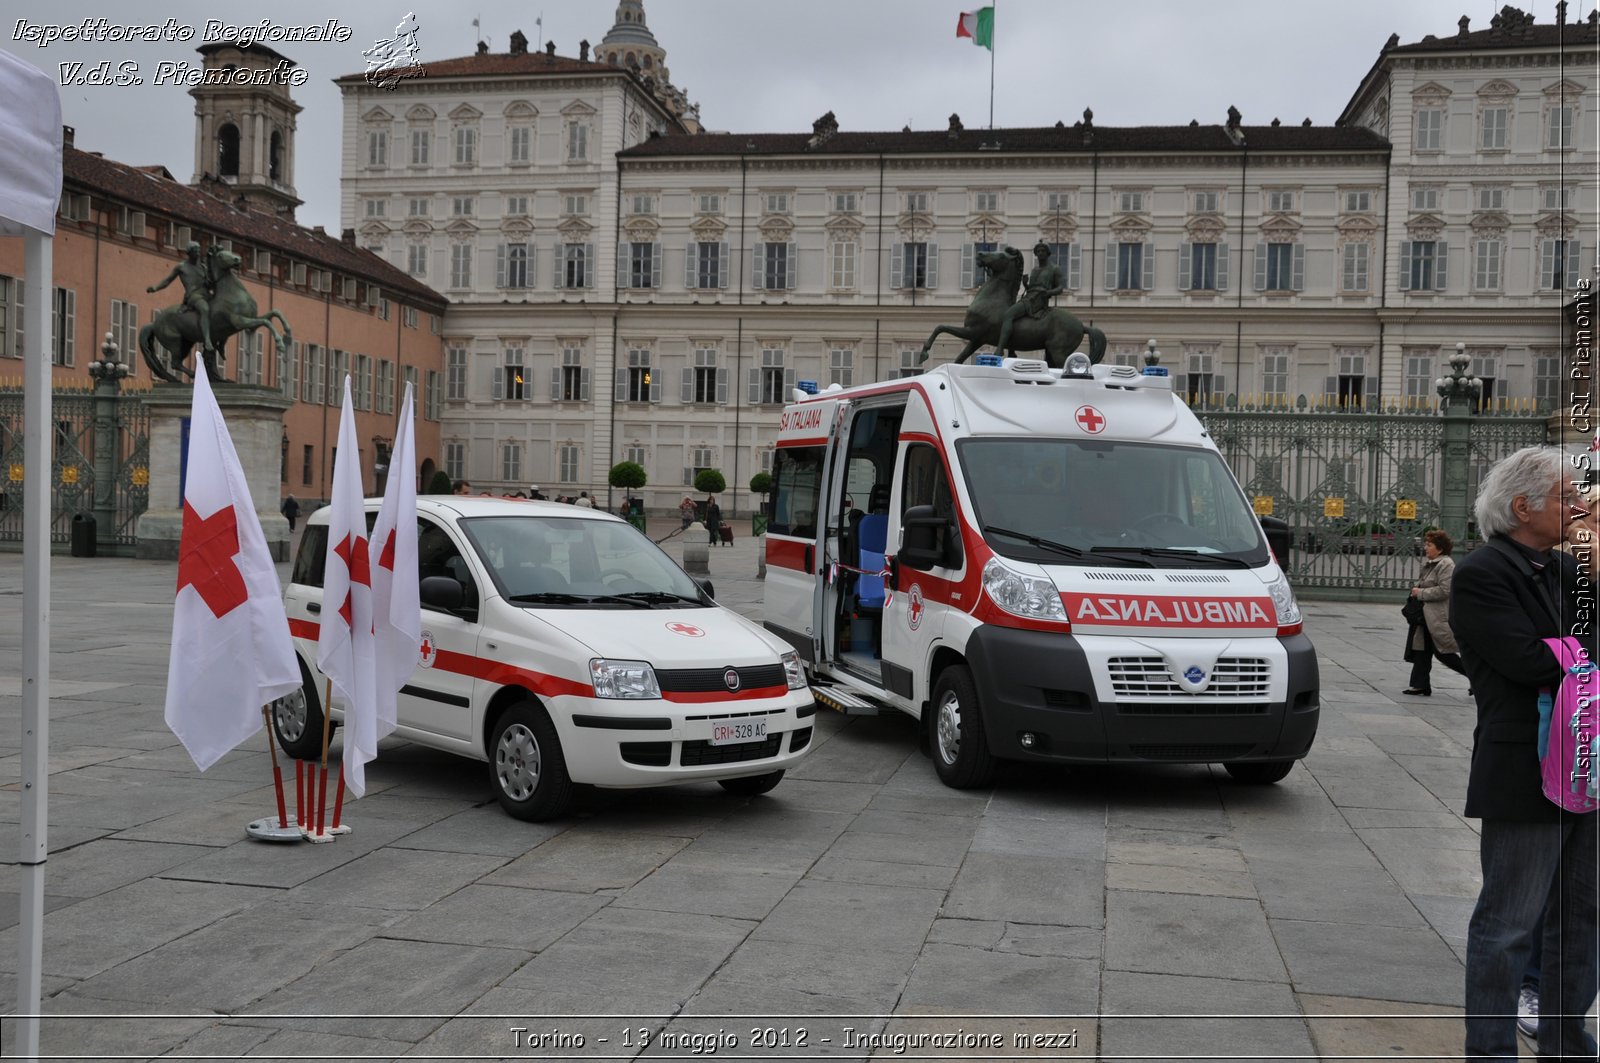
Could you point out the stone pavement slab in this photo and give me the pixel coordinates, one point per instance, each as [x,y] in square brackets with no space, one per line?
[860,883]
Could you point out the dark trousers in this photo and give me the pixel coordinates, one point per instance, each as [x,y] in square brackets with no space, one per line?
[1529,869]
[1422,662]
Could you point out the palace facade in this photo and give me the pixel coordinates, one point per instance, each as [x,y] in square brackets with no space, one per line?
[625,286]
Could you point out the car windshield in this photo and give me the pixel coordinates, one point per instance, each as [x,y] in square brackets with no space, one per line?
[1171,506]
[578,563]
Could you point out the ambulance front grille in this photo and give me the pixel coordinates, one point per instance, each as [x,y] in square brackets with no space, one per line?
[1147,677]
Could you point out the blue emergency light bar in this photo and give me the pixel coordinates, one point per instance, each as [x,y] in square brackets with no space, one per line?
[1155,370]
[988,359]
[807,386]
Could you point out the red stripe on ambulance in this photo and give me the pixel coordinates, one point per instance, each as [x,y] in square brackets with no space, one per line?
[1125,610]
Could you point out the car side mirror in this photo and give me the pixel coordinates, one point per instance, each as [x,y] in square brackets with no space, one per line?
[442,593]
[704,583]
[919,538]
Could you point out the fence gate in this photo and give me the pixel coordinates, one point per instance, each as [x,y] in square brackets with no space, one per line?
[1358,487]
[72,465]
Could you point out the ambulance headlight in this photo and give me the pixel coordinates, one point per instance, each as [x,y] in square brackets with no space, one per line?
[1283,601]
[1022,594]
[793,671]
[1078,364]
[623,679]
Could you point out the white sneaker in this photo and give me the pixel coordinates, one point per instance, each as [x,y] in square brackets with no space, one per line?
[1528,1013]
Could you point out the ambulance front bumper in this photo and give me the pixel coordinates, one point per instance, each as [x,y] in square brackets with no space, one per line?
[1040,703]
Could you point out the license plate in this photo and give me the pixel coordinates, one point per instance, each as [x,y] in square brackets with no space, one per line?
[733,732]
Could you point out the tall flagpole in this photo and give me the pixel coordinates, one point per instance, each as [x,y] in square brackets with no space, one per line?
[994,5]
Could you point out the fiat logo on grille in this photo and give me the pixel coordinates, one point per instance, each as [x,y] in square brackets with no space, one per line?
[731,677]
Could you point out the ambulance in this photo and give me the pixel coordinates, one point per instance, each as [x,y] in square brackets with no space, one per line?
[1039,565]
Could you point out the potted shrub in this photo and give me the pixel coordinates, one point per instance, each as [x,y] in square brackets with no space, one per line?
[760,484]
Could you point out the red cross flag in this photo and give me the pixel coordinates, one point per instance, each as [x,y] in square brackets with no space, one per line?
[231,652]
[396,602]
[345,642]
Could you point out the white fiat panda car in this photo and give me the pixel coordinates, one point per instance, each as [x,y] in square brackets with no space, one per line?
[561,646]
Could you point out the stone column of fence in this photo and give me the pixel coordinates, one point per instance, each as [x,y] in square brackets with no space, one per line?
[1458,391]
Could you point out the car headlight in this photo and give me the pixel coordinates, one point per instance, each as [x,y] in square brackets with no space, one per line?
[623,679]
[1022,594]
[1283,601]
[793,670]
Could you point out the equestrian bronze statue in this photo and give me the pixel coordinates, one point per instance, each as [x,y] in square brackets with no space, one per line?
[215,307]
[1032,324]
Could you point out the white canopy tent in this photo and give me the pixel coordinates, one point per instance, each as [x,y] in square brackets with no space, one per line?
[30,189]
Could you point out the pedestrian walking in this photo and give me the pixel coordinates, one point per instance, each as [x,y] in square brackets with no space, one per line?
[1430,635]
[713,519]
[291,511]
[1507,596]
[686,511]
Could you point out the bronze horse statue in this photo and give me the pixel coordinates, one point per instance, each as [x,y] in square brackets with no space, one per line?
[1056,332]
[233,310]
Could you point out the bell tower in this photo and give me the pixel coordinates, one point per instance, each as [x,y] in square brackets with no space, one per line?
[244,127]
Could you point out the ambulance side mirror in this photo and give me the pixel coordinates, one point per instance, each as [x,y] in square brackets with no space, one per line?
[441,592]
[919,538]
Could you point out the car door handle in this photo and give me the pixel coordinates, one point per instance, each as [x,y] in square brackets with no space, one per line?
[314,607]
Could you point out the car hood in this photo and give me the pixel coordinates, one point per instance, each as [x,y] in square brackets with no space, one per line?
[666,638]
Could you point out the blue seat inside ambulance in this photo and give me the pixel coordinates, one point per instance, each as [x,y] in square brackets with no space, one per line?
[871,537]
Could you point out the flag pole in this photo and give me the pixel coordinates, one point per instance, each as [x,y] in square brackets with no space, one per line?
[266,830]
[322,785]
[993,6]
[277,774]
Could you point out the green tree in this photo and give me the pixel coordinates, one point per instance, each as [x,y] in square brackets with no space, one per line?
[710,482]
[761,483]
[440,484]
[628,475]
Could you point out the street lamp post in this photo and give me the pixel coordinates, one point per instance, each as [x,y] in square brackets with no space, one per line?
[107,371]
[1458,390]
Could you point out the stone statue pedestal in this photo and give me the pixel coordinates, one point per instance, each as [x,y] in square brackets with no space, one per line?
[254,416]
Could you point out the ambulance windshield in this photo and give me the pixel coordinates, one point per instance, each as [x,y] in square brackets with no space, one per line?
[1174,506]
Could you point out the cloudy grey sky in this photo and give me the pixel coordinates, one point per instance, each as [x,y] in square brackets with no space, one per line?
[765,66]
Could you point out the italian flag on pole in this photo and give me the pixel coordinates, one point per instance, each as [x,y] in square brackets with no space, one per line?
[979,26]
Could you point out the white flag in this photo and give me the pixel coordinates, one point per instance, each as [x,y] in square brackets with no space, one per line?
[231,651]
[345,643]
[396,604]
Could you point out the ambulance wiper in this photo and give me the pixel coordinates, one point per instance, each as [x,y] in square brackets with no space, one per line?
[1175,551]
[1034,540]
[548,598]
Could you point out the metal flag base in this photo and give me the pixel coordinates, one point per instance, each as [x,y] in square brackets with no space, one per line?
[267,830]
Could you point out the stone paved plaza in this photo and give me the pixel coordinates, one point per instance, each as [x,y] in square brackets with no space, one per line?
[1070,914]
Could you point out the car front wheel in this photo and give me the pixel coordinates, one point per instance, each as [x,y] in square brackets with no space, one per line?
[526,767]
[297,720]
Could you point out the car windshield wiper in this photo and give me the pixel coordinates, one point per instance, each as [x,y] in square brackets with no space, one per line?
[549,598]
[658,597]
[1174,551]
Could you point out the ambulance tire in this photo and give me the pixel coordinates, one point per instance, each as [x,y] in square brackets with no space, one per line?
[752,785]
[1260,772]
[526,768]
[955,731]
[297,720]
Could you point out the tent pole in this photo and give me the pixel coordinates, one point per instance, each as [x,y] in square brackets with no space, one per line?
[38,258]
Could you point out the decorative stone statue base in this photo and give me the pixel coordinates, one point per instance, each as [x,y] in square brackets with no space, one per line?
[254,416]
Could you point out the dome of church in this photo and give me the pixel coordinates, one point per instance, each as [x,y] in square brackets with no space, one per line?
[630,28]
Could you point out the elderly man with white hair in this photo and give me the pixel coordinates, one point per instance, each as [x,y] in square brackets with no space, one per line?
[1509,595]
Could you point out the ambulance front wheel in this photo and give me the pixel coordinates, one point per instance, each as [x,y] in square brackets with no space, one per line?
[1260,772]
[955,724]
[526,766]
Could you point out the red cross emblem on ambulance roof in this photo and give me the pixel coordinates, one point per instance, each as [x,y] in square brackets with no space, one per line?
[680,628]
[1091,420]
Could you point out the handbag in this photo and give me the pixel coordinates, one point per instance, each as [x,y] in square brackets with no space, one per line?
[1412,610]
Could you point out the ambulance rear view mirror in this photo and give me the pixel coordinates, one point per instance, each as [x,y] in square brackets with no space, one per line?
[919,539]
[441,592]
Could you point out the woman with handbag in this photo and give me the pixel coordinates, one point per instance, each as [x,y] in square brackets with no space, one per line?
[1428,611]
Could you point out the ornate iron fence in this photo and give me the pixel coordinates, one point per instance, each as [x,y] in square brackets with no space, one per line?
[1358,485]
[73,465]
